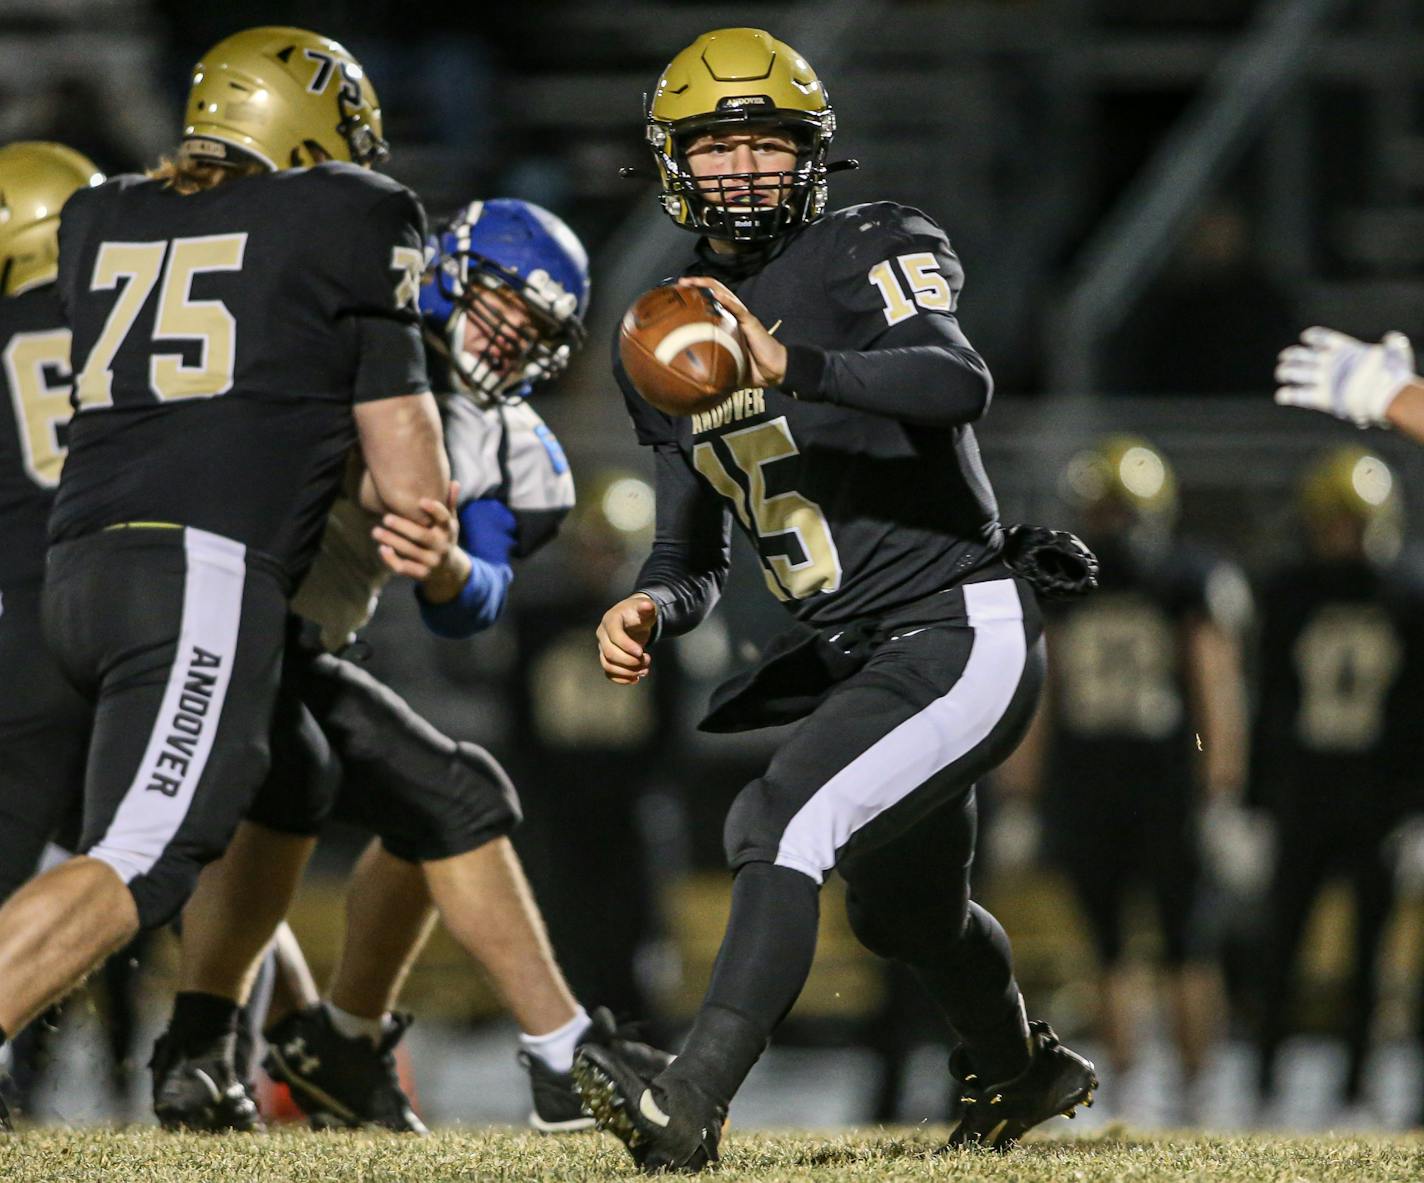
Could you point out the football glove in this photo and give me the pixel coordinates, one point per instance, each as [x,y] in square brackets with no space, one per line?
[1055,562]
[1332,372]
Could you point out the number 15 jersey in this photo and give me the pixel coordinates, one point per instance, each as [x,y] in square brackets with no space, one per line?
[863,490]
[220,340]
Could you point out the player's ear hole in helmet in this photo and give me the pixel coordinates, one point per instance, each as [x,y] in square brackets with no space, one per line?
[270,98]
[740,81]
[36,179]
[504,296]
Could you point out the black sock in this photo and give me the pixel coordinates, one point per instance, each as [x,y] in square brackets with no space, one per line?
[760,970]
[3,1037]
[974,985]
[200,1020]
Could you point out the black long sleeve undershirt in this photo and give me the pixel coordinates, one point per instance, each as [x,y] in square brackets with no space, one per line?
[691,552]
[931,376]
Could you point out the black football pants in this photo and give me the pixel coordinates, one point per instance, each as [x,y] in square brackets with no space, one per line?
[878,783]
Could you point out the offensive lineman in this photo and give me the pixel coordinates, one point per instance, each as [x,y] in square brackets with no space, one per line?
[238,321]
[916,658]
[44,722]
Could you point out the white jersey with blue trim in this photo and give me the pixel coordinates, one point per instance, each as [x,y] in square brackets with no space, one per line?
[505,453]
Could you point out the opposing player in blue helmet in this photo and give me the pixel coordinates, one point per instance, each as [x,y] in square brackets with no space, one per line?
[504,296]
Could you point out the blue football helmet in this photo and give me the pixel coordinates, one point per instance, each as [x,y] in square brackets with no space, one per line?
[504,296]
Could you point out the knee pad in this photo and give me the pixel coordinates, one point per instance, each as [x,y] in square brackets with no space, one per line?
[917,934]
[755,831]
[471,803]
[490,785]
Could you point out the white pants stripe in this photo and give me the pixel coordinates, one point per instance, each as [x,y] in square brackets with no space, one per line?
[160,794]
[926,743]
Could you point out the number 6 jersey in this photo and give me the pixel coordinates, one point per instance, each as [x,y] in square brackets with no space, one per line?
[34,374]
[858,481]
[220,341]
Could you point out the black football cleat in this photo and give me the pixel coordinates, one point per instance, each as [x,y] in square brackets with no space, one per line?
[5,1126]
[1056,1081]
[666,1126]
[201,1091]
[558,1108]
[340,1081]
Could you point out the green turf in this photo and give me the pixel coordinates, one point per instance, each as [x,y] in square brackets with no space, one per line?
[885,1156]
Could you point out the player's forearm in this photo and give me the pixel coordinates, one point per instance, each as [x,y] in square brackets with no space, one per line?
[683,590]
[935,385]
[404,450]
[477,605]
[1219,691]
[1406,411]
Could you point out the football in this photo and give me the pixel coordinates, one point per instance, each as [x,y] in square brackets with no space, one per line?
[682,350]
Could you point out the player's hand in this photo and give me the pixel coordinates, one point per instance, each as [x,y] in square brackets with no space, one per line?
[429,554]
[623,636]
[1332,372]
[766,356]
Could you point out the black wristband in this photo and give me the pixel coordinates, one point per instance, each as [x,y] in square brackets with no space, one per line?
[805,368]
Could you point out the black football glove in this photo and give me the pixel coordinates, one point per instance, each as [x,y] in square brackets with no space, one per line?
[1055,562]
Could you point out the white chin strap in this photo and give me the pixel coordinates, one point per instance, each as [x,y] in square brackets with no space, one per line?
[477,372]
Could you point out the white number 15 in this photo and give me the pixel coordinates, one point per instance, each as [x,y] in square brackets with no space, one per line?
[921,271]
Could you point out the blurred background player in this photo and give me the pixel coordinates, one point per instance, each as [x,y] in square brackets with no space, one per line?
[44,721]
[1337,747]
[916,658]
[503,301]
[1142,727]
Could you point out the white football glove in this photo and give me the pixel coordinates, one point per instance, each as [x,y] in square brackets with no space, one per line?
[1332,372]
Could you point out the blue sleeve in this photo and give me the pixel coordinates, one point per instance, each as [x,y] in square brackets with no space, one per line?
[487,533]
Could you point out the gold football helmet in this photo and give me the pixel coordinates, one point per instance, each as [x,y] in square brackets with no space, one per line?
[1349,482]
[1126,471]
[283,97]
[736,79]
[36,179]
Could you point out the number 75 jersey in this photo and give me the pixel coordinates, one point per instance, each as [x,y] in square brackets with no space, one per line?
[852,513]
[220,340]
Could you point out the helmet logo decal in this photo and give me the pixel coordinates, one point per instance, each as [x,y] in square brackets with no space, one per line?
[738,102]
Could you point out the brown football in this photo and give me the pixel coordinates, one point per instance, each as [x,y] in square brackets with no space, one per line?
[682,350]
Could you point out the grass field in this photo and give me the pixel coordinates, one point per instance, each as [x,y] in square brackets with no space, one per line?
[885,1156]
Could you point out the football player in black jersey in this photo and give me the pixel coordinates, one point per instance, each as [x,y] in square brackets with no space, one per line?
[916,657]
[1341,697]
[1140,736]
[239,320]
[44,721]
